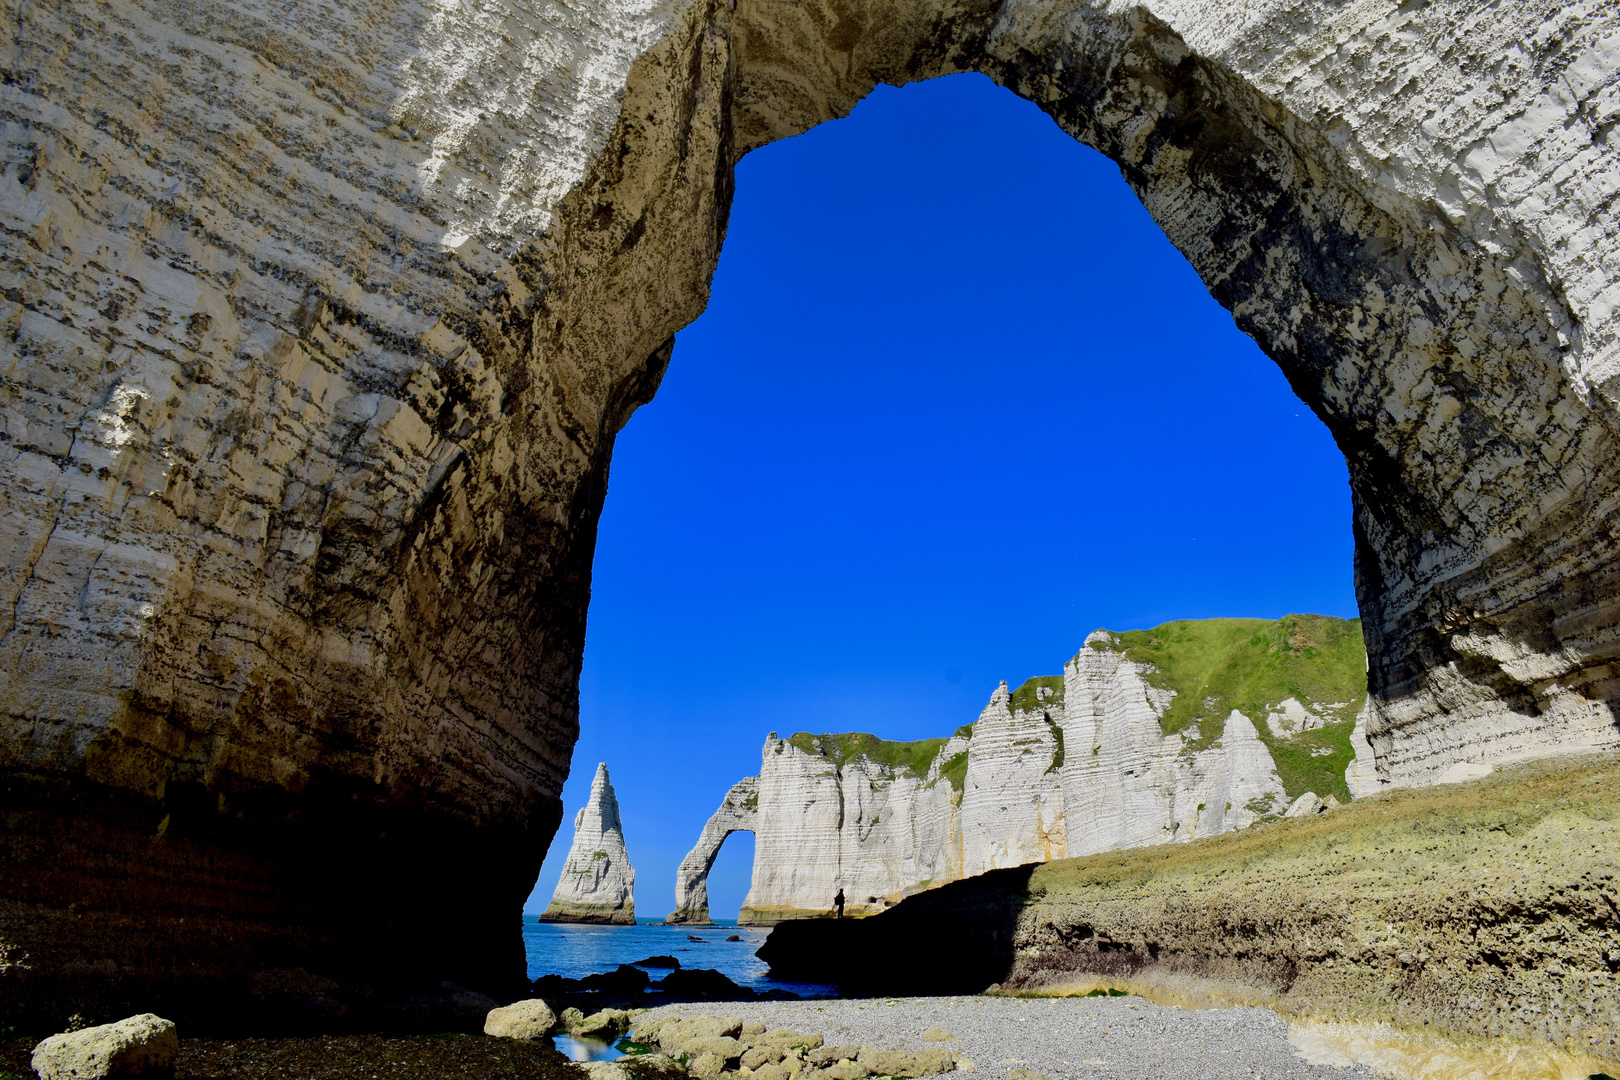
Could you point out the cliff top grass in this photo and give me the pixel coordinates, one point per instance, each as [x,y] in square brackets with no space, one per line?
[913,757]
[1027,697]
[1214,666]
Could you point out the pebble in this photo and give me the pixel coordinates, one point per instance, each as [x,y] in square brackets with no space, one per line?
[1120,1038]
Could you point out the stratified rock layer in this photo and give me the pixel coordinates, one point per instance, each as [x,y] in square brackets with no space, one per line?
[597,883]
[1064,766]
[321,322]
[1483,909]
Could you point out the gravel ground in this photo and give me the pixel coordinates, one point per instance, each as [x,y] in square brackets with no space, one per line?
[1124,1038]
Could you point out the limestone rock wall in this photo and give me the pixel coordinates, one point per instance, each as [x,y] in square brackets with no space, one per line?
[320,323]
[1085,770]
[1012,802]
[598,883]
[1127,784]
[738,811]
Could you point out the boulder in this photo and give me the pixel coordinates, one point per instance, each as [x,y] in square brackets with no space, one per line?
[674,1035]
[787,1038]
[823,1056]
[887,1062]
[937,1034]
[647,1031]
[752,1030]
[731,1050]
[644,1062]
[762,1055]
[707,1066]
[605,1024]
[930,1062]
[570,1019]
[626,980]
[659,961]
[141,1045]
[702,984]
[772,1072]
[1306,805]
[605,1070]
[527,1020]
[1025,1074]
[847,1069]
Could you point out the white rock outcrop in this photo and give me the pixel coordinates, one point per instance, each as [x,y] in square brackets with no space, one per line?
[598,883]
[529,1020]
[321,321]
[1070,770]
[144,1045]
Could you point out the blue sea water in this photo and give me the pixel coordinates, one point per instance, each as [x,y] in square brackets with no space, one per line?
[574,951]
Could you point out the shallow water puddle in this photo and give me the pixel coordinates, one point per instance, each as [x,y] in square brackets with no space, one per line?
[576,1049]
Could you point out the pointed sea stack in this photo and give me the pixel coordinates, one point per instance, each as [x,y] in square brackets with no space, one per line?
[598,882]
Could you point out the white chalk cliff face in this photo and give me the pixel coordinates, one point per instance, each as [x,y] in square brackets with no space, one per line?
[597,883]
[1062,768]
[321,321]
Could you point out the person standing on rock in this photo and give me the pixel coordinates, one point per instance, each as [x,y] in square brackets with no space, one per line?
[838,901]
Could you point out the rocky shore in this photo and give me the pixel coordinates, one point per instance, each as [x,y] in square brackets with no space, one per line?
[1482,910]
[1001,1037]
[344,1057]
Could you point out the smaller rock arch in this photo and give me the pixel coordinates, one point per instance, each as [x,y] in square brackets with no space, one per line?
[738,812]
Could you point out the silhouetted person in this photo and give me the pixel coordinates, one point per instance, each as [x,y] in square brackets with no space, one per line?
[838,902]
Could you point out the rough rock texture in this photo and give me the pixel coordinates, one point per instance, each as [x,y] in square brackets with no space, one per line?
[597,883]
[321,321]
[530,1019]
[1484,909]
[143,1045]
[1062,767]
[738,811]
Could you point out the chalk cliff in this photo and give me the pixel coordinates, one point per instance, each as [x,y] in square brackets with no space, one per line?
[320,322]
[597,883]
[1119,752]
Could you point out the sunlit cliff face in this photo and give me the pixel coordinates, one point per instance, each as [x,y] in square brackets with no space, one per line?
[322,324]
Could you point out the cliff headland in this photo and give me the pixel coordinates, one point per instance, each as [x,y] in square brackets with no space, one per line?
[1191,729]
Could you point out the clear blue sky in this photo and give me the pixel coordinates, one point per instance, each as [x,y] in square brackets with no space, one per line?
[956,402]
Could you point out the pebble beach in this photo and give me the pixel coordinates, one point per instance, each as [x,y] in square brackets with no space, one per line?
[1114,1038]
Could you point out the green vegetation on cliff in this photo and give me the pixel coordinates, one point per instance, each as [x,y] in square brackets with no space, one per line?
[913,757]
[1027,697]
[1211,666]
[1214,666]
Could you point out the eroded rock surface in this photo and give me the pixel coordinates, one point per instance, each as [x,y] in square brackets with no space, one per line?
[321,322]
[1064,766]
[1485,909]
[144,1045]
[597,883]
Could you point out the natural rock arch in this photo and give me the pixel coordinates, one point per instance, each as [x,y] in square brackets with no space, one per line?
[322,324]
[737,813]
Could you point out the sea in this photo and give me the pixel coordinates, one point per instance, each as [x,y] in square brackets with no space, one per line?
[574,951]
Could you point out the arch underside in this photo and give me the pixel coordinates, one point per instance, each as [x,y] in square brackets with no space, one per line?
[738,812]
[303,518]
